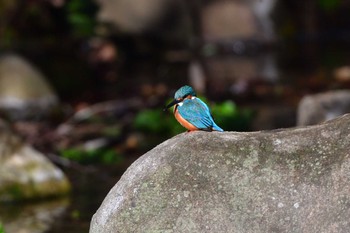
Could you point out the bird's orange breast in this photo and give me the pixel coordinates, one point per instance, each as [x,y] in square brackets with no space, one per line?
[182,121]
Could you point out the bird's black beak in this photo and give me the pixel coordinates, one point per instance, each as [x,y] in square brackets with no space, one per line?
[175,101]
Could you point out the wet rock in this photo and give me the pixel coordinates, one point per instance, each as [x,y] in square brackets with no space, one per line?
[314,109]
[292,180]
[24,92]
[26,173]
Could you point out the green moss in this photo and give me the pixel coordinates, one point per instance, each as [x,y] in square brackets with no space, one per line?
[33,190]
[12,192]
[16,192]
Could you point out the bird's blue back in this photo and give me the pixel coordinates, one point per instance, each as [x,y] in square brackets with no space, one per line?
[197,113]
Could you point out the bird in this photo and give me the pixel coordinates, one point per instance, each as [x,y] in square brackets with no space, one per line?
[191,112]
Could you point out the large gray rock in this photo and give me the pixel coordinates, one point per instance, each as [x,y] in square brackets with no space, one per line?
[317,108]
[25,173]
[24,91]
[292,180]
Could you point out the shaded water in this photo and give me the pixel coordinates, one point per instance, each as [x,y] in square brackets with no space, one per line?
[69,214]
[89,189]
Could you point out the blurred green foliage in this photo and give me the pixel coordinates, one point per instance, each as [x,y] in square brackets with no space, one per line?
[44,24]
[75,214]
[157,121]
[329,5]
[227,115]
[81,17]
[98,156]
[2,230]
[230,117]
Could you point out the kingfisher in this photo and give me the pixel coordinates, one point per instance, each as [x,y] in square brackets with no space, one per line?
[191,112]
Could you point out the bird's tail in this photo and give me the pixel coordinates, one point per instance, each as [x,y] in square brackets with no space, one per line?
[217,128]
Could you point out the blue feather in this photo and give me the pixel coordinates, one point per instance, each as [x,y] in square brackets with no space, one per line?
[197,113]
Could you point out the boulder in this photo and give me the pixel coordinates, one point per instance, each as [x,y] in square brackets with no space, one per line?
[290,180]
[314,109]
[25,173]
[24,92]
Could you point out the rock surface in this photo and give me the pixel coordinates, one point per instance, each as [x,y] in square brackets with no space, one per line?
[26,173]
[314,109]
[24,92]
[292,180]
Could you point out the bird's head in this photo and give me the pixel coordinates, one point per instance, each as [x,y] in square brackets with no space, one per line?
[181,94]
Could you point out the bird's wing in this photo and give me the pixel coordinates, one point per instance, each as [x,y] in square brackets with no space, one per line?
[196,112]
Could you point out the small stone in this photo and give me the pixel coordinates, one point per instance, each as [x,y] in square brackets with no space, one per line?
[24,91]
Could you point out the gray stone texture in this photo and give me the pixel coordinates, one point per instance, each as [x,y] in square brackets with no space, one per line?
[290,180]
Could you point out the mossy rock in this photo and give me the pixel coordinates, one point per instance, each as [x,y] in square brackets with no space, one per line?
[26,173]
